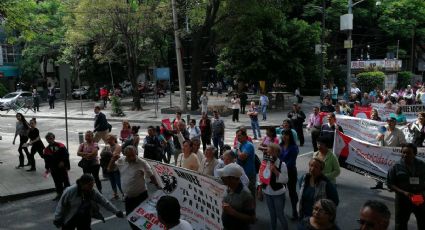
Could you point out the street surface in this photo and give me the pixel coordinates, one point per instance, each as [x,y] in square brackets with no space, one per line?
[37,212]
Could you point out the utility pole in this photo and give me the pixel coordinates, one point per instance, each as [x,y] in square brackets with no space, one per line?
[182,83]
[348,88]
[322,44]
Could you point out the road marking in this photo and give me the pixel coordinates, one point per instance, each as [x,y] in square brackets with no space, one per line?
[107,218]
[305,154]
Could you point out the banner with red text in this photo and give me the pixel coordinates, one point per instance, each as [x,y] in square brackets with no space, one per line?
[410,111]
[365,158]
[200,198]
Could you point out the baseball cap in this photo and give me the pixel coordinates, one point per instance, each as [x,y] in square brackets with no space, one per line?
[232,170]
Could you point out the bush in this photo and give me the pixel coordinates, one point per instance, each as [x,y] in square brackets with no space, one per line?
[367,81]
[116,107]
[403,79]
[3,90]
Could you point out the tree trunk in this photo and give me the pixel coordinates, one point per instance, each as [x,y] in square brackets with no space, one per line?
[131,62]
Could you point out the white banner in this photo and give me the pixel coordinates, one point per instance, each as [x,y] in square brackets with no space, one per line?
[365,158]
[200,198]
[410,111]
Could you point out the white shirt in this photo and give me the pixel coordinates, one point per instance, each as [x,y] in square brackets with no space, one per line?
[184,225]
[194,132]
[236,103]
[355,90]
[133,176]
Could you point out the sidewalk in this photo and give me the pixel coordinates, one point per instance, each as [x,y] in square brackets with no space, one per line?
[17,183]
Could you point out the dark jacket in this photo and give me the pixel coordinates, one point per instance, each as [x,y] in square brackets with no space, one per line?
[206,131]
[100,123]
[297,118]
[54,154]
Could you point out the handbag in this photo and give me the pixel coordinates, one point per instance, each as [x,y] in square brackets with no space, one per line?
[83,163]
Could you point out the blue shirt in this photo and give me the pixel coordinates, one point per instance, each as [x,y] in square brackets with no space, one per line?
[289,156]
[248,165]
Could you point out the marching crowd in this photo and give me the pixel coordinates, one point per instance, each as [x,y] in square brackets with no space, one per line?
[247,178]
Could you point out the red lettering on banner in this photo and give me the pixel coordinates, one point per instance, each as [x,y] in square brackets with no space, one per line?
[376,158]
[163,169]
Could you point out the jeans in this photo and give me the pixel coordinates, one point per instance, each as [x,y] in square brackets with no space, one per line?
[276,205]
[22,140]
[255,128]
[61,179]
[218,142]
[94,171]
[315,133]
[206,140]
[168,151]
[115,179]
[264,112]
[300,134]
[38,148]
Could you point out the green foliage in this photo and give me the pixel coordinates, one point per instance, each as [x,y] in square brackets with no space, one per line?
[116,106]
[3,90]
[404,78]
[367,81]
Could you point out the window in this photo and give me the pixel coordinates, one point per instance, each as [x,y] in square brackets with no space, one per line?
[9,54]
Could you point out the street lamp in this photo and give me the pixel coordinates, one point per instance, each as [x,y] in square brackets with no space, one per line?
[347,24]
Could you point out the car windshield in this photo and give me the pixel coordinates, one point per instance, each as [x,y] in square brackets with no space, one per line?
[11,95]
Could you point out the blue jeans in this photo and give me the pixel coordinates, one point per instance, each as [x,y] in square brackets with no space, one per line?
[218,142]
[115,179]
[264,111]
[276,205]
[255,128]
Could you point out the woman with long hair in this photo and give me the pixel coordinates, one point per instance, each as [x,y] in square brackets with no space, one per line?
[88,151]
[288,154]
[22,128]
[37,145]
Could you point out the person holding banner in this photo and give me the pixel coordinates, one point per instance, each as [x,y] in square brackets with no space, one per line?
[313,187]
[418,130]
[274,191]
[328,129]
[331,169]
[238,202]
[399,116]
[407,179]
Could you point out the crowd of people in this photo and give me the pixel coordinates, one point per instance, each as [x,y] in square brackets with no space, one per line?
[314,206]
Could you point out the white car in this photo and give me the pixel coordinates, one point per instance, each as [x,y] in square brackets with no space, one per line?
[11,98]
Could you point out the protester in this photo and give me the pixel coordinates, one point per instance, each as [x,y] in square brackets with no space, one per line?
[298,95]
[408,95]
[204,102]
[238,202]
[236,141]
[314,125]
[271,137]
[328,129]
[229,157]
[274,192]
[417,129]
[209,162]
[323,218]
[133,171]
[206,131]
[366,101]
[374,115]
[125,130]
[194,131]
[374,215]
[325,154]
[22,128]
[187,159]
[345,108]
[355,92]
[88,151]
[51,95]
[264,102]
[218,127]
[253,115]
[181,135]
[246,159]
[168,209]
[196,148]
[211,87]
[334,94]
[407,179]
[36,144]
[327,107]
[78,205]
[101,125]
[56,159]
[338,110]
[113,148]
[152,145]
[236,104]
[288,154]
[244,101]
[297,118]
[313,187]
[399,116]
[177,120]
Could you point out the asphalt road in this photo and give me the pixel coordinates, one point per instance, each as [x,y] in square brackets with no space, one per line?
[37,212]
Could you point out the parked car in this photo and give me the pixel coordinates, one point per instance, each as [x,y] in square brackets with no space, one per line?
[82,92]
[12,98]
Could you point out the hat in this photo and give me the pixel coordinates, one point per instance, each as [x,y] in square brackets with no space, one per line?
[232,170]
[391,119]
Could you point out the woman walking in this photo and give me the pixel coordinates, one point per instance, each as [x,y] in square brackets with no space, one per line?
[22,128]
[37,145]
[88,151]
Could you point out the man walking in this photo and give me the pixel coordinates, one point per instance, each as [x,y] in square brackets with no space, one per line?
[297,117]
[101,126]
[253,115]
[218,132]
[264,102]
[133,171]
[56,157]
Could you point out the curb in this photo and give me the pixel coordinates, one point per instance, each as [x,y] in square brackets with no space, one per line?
[20,196]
